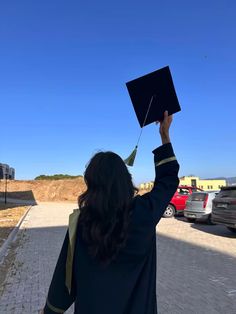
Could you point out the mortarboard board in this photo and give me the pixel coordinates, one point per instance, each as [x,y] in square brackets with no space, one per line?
[151,96]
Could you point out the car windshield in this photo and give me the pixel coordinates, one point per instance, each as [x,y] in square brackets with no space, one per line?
[198,197]
[227,193]
[183,191]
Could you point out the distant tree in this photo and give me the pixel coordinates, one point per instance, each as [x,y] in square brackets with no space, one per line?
[57,177]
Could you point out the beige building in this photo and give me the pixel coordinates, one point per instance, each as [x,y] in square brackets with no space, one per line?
[192,181]
[202,184]
[146,186]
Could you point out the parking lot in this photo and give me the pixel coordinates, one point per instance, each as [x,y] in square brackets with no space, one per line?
[196,268]
[195,264]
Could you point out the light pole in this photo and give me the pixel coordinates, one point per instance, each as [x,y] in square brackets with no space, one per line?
[5,188]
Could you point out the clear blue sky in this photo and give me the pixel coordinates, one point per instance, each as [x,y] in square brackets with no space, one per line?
[63,68]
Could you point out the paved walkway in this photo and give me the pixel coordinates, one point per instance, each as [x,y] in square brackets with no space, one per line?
[196,264]
[38,244]
[196,268]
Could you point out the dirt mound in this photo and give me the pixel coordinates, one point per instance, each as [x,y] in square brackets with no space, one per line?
[44,190]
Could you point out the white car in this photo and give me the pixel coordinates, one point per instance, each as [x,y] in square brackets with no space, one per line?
[199,206]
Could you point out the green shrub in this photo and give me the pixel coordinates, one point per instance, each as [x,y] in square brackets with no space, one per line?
[57,177]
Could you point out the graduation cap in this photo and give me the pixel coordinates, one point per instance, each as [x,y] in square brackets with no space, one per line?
[151,96]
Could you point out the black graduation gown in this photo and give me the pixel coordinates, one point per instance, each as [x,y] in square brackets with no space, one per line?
[127,285]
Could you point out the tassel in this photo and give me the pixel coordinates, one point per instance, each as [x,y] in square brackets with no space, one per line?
[130,160]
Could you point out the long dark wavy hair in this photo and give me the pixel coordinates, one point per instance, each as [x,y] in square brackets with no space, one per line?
[105,207]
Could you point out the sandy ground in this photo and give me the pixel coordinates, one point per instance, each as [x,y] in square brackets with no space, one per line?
[10,214]
[44,190]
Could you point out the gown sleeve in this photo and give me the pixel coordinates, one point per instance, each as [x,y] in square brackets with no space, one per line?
[165,183]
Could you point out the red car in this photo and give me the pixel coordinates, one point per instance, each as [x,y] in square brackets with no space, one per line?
[178,201]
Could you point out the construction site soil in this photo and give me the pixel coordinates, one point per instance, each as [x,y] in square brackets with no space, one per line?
[43,190]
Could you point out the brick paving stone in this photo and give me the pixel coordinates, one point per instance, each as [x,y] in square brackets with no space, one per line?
[195,264]
[40,239]
[196,268]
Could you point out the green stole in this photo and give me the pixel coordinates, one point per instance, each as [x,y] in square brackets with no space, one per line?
[73,222]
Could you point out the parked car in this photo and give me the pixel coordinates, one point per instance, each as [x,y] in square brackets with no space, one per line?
[199,206]
[224,208]
[178,201]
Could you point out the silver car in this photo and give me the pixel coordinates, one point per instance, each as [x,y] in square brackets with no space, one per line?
[199,206]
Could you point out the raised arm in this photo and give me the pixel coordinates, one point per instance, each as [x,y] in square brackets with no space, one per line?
[166,174]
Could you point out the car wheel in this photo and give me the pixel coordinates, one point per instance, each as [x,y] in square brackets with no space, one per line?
[209,220]
[169,212]
[191,219]
[232,229]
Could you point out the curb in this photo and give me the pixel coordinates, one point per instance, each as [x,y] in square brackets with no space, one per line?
[11,237]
